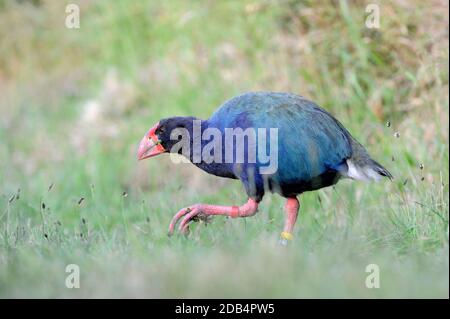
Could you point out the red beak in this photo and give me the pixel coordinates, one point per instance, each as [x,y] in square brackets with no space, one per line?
[150,145]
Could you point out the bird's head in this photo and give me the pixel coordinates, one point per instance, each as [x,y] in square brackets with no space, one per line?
[158,138]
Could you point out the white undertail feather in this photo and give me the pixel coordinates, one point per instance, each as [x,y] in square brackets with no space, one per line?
[365,173]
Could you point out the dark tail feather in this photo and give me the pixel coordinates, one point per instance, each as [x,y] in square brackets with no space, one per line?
[362,167]
[377,167]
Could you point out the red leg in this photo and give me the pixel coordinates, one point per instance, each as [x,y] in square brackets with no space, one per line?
[246,210]
[292,206]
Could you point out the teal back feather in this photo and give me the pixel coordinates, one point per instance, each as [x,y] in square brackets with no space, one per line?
[310,141]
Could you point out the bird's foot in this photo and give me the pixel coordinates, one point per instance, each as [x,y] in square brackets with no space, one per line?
[192,213]
[203,212]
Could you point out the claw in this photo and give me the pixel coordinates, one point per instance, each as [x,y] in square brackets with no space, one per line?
[185,222]
[175,219]
[182,212]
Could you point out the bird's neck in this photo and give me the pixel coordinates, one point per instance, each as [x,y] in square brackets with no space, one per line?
[195,128]
[197,141]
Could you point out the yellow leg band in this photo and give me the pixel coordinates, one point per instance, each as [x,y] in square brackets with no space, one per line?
[287,236]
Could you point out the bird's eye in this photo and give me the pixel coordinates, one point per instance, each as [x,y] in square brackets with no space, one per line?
[161,130]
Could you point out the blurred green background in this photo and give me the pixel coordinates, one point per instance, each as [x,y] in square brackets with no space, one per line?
[75,103]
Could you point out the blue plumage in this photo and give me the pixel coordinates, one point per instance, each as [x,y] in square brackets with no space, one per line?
[314,149]
[311,143]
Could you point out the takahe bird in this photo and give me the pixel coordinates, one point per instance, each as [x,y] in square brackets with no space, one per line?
[311,148]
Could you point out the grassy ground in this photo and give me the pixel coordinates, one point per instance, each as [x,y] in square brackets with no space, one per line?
[75,102]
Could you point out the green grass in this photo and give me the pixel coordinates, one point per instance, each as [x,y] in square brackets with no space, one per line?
[135,62]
